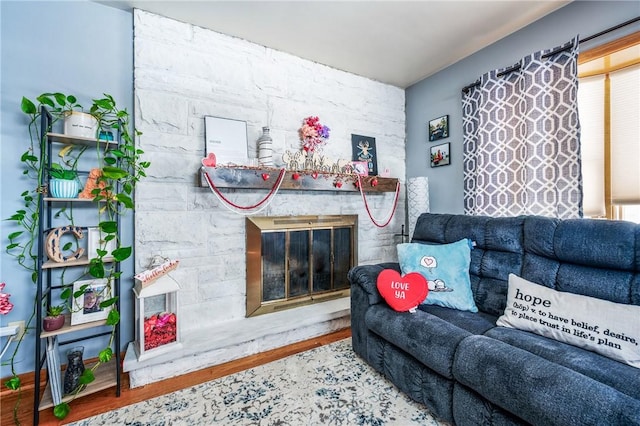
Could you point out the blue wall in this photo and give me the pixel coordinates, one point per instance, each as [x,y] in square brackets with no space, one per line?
[440,94]
[80,48]
[86,49]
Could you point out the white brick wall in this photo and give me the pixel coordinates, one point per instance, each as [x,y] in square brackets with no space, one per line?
[182,73]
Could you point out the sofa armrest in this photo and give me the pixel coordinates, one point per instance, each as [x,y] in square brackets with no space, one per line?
[366,277]
[364,294]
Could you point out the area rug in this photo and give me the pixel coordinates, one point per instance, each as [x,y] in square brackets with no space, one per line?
[329,385]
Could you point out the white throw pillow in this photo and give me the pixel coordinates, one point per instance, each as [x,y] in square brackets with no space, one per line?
[608,328]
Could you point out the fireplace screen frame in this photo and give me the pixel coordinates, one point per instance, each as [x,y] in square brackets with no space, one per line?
[257,226]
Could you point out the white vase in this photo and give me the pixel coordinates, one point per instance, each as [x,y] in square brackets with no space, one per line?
[63,188]
[265,148]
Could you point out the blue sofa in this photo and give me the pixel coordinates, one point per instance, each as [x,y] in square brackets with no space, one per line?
[469,371]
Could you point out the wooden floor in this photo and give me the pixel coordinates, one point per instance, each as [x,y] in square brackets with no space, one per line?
[106,400]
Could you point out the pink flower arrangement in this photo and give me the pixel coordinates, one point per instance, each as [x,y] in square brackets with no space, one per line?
[5,305]
[313,134]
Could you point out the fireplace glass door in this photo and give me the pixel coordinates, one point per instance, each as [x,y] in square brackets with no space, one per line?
[300,264]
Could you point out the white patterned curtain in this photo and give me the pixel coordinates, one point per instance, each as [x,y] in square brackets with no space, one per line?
[522,139]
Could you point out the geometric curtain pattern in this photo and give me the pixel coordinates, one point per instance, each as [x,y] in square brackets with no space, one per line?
[522,139]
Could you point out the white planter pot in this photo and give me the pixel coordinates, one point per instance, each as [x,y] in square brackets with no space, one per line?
[80,124]
[63,188]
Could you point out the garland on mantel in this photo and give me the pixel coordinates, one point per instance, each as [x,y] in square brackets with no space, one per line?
[366,205]
[262,204]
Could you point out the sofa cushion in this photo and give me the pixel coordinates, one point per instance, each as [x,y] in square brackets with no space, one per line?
[471,409]
[429,339]
[421,383]
[446,268]
[498,251]
[538,390]
[610,329]
[617,375]
[572,241]
[473,322]
[597,258]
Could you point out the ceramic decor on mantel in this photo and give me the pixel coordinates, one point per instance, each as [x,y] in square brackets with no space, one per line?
[265,148]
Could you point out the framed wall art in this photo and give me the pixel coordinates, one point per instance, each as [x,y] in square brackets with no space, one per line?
[360,167]
[87,296]
[94,242]
[364,149]
[227,139]
[439,128]
[439,155]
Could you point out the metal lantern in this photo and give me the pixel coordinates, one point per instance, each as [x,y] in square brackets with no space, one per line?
[157,326]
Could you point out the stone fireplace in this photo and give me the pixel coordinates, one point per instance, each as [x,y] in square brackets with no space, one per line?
[298,260]
[184,73]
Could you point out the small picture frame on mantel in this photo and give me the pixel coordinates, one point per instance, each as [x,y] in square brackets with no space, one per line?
[364,149]
[95,242]
[360,167]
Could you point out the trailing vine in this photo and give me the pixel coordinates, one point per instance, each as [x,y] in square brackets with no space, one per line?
[122,167]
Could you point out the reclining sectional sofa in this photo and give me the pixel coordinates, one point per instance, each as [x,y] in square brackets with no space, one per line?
[470,371]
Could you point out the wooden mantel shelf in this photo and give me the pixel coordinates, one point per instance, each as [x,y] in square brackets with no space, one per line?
[304,180]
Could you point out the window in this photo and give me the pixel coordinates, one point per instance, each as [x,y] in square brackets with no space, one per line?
[609,107]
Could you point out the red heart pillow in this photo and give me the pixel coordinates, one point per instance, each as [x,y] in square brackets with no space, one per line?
[402,293]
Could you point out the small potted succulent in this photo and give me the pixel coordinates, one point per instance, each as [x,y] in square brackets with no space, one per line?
[54,319]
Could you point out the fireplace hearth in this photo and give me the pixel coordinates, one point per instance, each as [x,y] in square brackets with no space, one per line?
[298,260]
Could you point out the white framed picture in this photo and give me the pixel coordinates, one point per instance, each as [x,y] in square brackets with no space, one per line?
[94,242]
[88,295]
[227,139]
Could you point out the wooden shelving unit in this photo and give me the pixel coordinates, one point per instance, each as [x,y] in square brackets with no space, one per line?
[81,261]
[79,140]
[68,328]
[64,200]
[48,287]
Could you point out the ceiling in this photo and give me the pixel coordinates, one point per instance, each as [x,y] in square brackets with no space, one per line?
[395,42]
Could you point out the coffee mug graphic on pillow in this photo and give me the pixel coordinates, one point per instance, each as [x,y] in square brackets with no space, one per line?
[446,269]
[402,293]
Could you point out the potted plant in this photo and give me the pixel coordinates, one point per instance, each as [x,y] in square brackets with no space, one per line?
[80,124]
[54,319]
[63,183]
[63,180]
